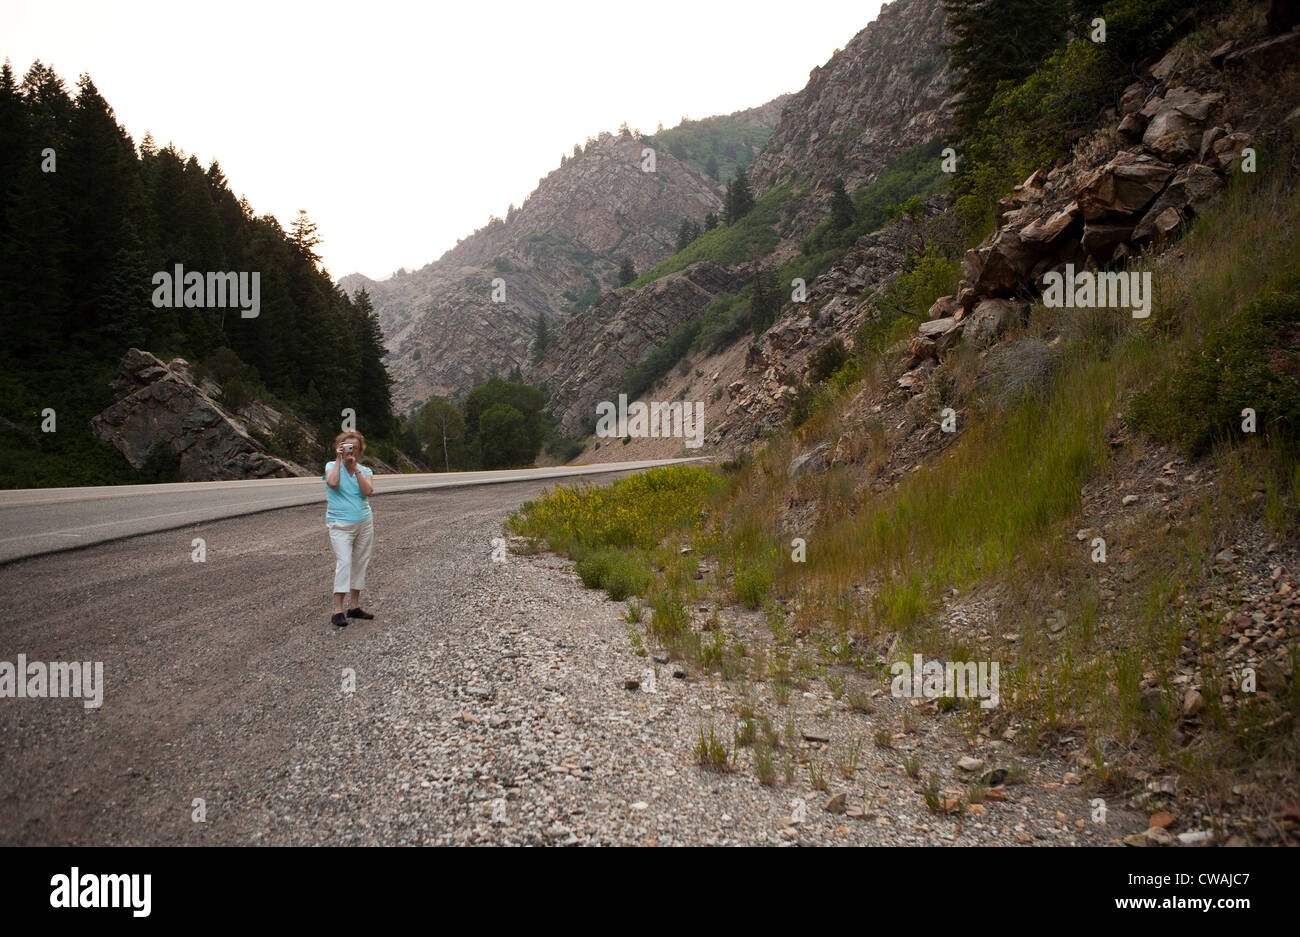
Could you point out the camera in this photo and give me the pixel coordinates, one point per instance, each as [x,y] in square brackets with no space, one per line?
[348,447]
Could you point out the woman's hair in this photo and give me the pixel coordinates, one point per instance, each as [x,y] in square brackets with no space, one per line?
[350,434]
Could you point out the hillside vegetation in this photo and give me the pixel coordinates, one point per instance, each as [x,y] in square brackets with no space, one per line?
[1108,506]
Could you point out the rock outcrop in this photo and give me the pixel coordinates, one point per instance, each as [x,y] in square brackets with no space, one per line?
[884,92]
[163,406]
[472,314]
[1174,162]
[597,346]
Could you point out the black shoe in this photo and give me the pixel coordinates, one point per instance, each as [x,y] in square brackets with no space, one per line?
[358,613]
[339,619]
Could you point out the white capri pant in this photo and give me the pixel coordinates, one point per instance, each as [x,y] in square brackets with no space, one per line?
[351,543]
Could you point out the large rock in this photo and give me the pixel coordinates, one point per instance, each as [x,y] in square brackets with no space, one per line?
[814,460]
[1101,238]
[944,307]
[1049,230]
[999,267]
[1269,55]
[991,318]
[1123,187]
[163,407]
[1190,190]
[1175,130]
[1226,150]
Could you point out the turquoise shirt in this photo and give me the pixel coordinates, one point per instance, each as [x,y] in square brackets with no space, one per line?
[347,505]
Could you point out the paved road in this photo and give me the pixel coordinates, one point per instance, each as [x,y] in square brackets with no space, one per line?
[34,521]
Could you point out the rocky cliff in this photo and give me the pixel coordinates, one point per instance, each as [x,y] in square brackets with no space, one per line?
[165,405]
[589,358]
[885,91]
[447,329]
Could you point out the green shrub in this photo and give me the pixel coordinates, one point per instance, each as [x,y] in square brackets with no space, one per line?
[618,573]
[826,360]
[1251,360]
[753,582]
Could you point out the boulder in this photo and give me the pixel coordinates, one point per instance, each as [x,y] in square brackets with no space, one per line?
[1123,187]
[998,267]
[814,460]
[1269,55]
[1201,184]
[1132,98]
[966,299]
[1208,139]
[1176,127]
[1045,231]
[935,339]
[162,407]
[944,307]
[1227,150]
[1132,127]
[936,327]
[1190,190]
[919,349]
[1158,227]
[991,318]
[1177,146]
[1101,238]
[1165,67]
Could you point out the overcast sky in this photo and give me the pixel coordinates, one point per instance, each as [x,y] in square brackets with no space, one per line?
[402,126]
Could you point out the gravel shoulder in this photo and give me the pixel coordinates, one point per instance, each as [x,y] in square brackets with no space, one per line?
[489,706]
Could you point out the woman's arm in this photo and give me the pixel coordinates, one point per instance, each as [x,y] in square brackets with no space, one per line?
[366,483]
[332,475]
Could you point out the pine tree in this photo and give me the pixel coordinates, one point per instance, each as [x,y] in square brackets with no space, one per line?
[303,235]
[543,339]
[710,221]
[683,234]
[626,272]
[765,305]
[739,200]
[841,207]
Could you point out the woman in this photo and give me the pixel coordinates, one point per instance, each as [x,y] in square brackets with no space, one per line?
[347,516]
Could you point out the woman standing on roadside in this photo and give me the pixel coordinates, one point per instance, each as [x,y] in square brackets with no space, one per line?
[348,487]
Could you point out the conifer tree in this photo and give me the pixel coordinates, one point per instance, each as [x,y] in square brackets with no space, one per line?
[841,207]
[739,200]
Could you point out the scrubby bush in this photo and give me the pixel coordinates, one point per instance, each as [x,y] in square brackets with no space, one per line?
[1251,360]
[826,360]
[618,573]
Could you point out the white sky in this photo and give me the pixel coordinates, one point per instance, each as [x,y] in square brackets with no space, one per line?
[401,126]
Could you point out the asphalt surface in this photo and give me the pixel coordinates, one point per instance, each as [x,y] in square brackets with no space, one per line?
[34,521]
